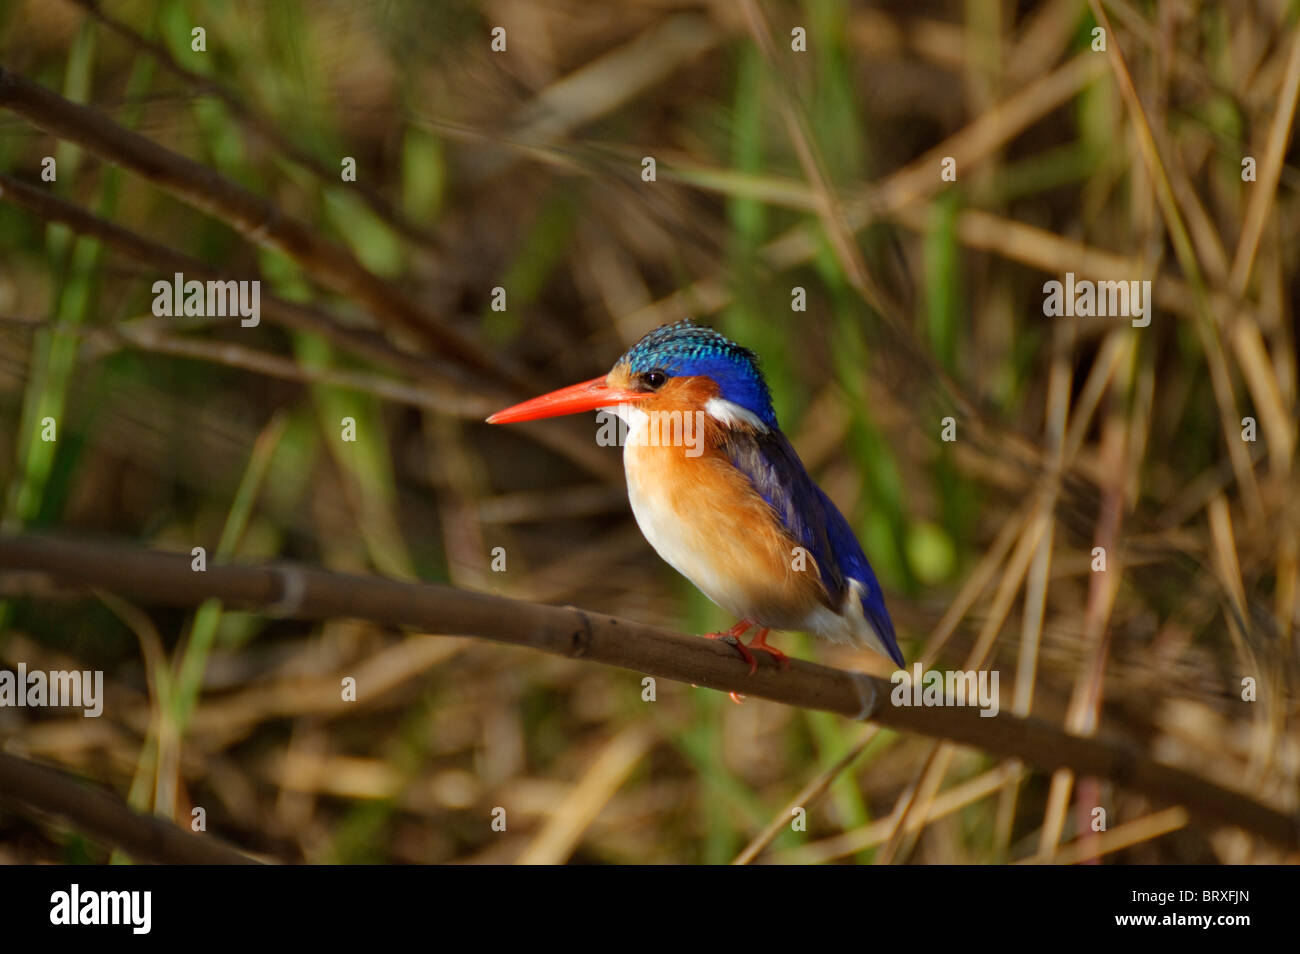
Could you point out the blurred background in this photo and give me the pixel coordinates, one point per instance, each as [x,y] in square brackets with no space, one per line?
[800,151]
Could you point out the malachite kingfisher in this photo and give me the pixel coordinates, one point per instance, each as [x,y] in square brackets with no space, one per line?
[720,493]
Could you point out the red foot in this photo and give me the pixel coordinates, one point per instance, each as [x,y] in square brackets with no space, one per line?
[759,642]
[733,636]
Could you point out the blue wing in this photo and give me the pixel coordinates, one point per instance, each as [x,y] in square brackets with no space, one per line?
[814,522]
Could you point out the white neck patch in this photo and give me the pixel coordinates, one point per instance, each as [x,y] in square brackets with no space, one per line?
[730,413]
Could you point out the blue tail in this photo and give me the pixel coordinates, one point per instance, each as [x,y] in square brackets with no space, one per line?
[847,552]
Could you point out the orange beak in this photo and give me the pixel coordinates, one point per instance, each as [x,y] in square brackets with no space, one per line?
[585,396]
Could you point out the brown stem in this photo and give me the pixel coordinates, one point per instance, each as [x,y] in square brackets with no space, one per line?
[306,593]
[258,219]
[438,376]
[261,126]
[108,819]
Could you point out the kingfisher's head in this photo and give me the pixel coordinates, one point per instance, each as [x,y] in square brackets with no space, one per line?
[682,365]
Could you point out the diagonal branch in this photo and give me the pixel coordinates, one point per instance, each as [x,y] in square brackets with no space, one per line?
[259,125]
[451,389]
[256,218]
[107,818]
[299,316]
[288,590]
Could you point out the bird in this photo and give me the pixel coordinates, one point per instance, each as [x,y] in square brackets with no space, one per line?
[721,495]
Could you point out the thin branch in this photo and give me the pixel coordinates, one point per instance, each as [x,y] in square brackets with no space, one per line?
[450,385]
[106,818]
[166,260]
[257,361]
[1206,323]
[1270,171]
[287,590]
[261,126]
[256,218]
[804,798]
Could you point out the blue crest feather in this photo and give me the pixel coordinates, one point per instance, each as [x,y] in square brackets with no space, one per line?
[685,349]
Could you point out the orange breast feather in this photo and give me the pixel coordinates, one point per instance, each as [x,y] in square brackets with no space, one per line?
[704,517]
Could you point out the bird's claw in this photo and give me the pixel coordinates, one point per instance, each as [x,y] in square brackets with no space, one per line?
[734,640]
[781,658]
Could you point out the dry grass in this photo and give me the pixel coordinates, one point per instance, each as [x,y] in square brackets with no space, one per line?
[776,169]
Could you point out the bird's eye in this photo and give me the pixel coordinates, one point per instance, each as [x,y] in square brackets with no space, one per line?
[655,379]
